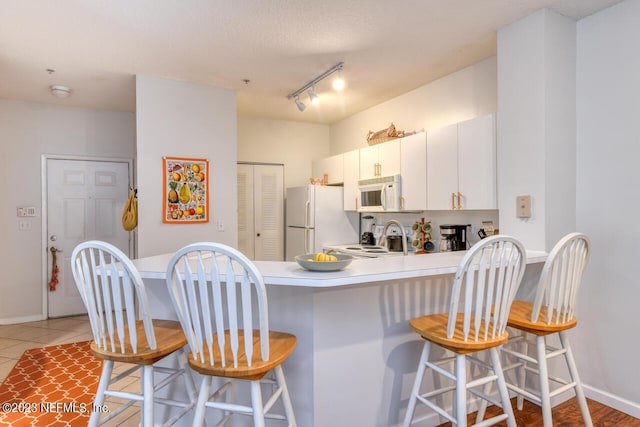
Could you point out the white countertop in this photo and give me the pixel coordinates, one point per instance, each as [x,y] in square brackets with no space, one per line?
[361,270]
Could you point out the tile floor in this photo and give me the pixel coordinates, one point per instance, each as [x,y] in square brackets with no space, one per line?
[15,339]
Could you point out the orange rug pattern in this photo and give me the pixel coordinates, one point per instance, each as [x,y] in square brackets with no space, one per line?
[51,386]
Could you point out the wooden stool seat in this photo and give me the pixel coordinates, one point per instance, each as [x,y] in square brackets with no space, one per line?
[113,293]
[221,301]
[168,334]
[520,318]
[483,288]
[556,294]
[434,329]
[281,345]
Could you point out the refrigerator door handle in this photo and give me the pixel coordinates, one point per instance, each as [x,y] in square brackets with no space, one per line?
[307,205]
[306,240]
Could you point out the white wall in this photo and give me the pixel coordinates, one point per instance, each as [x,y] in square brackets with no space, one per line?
[465,94]
[28,130]
[608,108]
[536,131]
[294,144]
[181,119]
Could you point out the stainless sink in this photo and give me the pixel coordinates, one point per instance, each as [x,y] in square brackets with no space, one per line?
[369,251]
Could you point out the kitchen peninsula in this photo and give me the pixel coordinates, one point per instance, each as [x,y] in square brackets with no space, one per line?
[356,356]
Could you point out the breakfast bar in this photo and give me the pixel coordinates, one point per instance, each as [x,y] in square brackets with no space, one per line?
[355,359]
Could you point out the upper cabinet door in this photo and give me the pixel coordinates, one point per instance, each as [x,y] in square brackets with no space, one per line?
[389,158]
[351,162]
[477,163]
[413,168]
[442,168]
[380,160]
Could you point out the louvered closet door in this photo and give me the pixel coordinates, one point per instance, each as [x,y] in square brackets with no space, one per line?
[246,234]
[269,212]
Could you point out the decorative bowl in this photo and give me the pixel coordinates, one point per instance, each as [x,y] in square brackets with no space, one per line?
[306,261]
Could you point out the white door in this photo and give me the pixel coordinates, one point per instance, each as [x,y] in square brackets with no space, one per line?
[85,200]
[261,211]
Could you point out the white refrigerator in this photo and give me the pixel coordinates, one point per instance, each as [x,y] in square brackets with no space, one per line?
[315,218]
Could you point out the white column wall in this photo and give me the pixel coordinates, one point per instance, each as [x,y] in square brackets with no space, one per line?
[536,127]
[608,149]
[182,119]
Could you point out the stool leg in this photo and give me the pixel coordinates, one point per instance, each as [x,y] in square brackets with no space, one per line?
[286,400]
[147,392]
[521,374]
[186,372]
[461,390]
[424,358]
[573,370]
[545,399]
[502,387]
[203,397]
[105,377]
[256,402]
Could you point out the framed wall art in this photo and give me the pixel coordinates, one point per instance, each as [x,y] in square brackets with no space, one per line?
[186,190]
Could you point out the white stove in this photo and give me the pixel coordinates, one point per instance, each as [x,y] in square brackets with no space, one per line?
[366,251]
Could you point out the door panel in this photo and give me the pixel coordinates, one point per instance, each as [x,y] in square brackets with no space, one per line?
[84,202]
[246,230]
[442,167]
[269,208]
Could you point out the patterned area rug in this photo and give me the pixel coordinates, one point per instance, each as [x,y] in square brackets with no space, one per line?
[51,386]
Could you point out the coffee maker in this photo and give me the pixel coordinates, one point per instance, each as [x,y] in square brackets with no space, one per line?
[453,237]
[367,226]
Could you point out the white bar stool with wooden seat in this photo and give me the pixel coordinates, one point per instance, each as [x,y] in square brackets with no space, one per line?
[552,312]
[113,293]
[221,301]
[484,286]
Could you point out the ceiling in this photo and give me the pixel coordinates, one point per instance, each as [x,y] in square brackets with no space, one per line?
[96,47]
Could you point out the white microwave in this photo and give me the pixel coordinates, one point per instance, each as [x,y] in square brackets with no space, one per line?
[380,194]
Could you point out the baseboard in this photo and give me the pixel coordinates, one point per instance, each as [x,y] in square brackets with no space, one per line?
[22,319]
[616,402]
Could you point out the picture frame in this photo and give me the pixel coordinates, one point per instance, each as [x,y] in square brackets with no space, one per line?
[186,190]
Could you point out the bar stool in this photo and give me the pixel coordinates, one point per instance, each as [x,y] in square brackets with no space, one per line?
[484,286]
[552,312]
[221,301]
[113,292]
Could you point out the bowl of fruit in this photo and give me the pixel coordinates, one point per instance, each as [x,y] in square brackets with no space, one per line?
[324,262]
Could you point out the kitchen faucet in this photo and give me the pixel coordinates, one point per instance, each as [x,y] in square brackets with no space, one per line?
[383,240]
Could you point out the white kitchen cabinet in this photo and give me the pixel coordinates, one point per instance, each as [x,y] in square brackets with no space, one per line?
[461,165]
[261,211]
[413,168]
[351,163]
[380,160]
[331,167]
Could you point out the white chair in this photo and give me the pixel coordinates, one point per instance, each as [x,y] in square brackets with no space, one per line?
[552,312]
[221,301]
[113,292]
[484,286]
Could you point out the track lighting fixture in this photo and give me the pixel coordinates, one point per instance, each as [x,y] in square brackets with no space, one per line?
[338,84]
[313,97]
[300,104]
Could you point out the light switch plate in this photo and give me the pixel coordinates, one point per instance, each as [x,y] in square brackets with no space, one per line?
[523,207]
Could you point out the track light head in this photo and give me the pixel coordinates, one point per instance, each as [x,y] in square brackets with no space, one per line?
[313,97]
[300,104]
[338,82]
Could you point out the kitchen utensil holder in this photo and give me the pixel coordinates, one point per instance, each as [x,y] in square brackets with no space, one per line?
[422,230]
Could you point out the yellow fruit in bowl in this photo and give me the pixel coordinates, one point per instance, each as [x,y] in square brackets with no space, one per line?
[322,257]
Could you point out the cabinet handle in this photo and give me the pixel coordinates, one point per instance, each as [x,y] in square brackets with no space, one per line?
[453,201]
[401,203]
[459,200]
[356,200]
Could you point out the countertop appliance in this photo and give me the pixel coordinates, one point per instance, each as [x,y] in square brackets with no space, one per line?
[453,237]
[315,218]
[380,194]
[367,225]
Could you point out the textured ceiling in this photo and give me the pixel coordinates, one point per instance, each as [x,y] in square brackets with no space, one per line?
[389,47]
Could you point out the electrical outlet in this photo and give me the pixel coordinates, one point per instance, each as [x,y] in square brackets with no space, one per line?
[523,207]
[220,225]
[24,225]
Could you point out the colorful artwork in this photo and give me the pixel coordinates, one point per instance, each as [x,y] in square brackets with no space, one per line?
[186,190]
